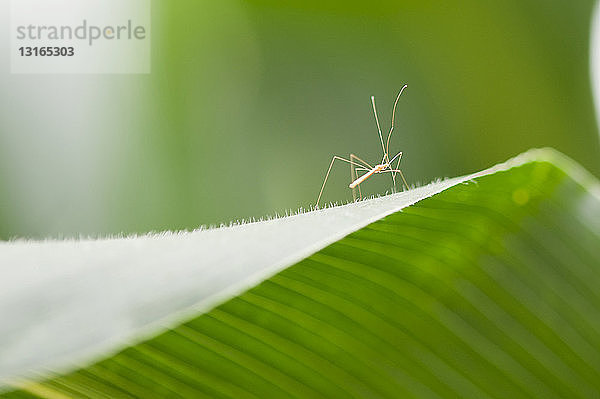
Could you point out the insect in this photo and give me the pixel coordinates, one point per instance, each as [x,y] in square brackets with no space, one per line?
[357,165]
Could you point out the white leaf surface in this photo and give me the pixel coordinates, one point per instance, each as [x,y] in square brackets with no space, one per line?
[64,302]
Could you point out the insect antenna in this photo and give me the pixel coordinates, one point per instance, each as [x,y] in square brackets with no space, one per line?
[378,127]
[387,148]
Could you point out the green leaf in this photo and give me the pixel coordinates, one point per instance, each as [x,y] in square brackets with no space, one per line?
[483,286]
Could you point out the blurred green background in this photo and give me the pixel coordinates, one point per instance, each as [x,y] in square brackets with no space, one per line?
[248,100]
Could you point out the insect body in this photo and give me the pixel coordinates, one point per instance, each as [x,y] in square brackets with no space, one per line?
[377,169]
[357,165]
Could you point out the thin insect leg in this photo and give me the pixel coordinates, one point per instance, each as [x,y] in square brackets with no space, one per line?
[329,170]
[396,156]
[354,175]
[358,186]
[387,148]
[403,179]
[398,168]
[397,171]
[394,188]
[378,127]
[399,156]
[361,160]
[394,174]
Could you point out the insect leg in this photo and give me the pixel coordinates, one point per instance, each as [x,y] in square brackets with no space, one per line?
[329,170]
[399,156]
[369,167]
[354,175]
[401,175]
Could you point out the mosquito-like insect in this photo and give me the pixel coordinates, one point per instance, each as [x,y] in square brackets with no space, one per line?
[358,165]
